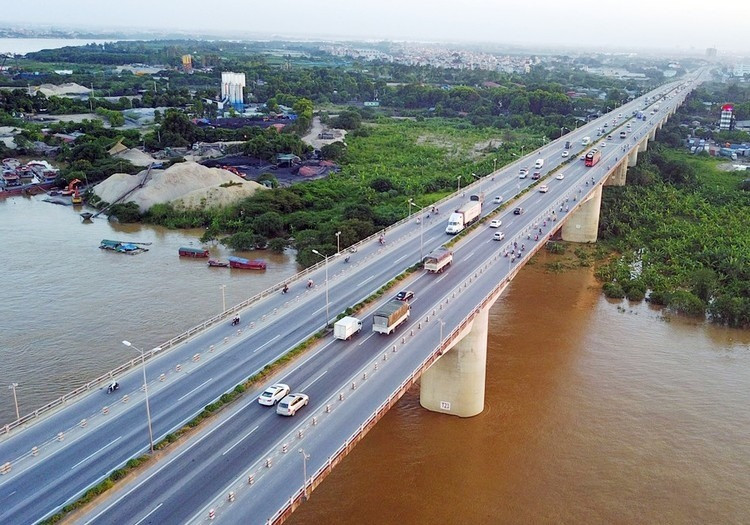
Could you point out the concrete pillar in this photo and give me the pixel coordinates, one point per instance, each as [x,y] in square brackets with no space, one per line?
[617,176]
[643,144]
[583,225]
[633,158]
[454,384]
[652,134]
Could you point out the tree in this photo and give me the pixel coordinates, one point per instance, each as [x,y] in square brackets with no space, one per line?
[335,151]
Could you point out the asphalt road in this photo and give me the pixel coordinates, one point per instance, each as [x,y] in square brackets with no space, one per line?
[181,487]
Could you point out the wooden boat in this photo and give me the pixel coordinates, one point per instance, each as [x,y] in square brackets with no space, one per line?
[246,264]
[123,247]
[215,263]
[193,252]
[86,216]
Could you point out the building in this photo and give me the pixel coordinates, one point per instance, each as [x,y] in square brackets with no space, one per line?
[727,117]
[187,63]
[740,70]
[232,85]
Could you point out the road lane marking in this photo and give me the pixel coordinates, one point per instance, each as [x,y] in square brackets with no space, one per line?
[95,453]
[204,383]
[401,258]
[267,343]
[366,281]
[238,442]
[314,380]
[441,278]
[366,338]
[149,514]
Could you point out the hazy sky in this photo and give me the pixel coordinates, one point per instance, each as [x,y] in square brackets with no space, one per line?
[667,24]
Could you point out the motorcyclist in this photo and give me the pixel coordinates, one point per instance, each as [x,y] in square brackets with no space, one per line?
[285,289]
[310,283]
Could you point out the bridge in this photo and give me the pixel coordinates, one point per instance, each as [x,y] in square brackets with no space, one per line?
[251,465]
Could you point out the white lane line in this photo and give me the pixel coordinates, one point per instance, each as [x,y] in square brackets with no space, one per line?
[204,383]
[314,380]
[366,281]
[366,338]
[441,278]
[95,453]
[401,258]
[267,343]
[240,440]
[147,515]
[318,310]
[472,253]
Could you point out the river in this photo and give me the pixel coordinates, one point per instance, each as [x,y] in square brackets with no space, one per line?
[596,411]
[21,46]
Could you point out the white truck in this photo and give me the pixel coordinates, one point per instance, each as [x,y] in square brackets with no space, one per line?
[464,216]
[438,259]
[586,141]
[389,316]
[346,327]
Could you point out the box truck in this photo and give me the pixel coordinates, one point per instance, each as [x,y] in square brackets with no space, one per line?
[438,259]
[346,327]
[389,316]
[465,215]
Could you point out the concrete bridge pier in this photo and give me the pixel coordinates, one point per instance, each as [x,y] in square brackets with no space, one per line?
[583,224]
[643,144]
[633,158]
[454,384]
[617,175]
[652,134]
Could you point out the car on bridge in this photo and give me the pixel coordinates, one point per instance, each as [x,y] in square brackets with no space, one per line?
[291,403]
[536,175]
[498,199]
[602,144]
[560,176]
[543,188]
[565,153]
[273,394]
[582,157]
[405,295]
[523,174]
[518,211]
[498,236]
[496,223]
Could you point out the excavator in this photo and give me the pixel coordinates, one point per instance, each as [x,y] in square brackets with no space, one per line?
[72,190]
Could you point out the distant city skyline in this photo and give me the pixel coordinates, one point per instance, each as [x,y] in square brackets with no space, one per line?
[637,24]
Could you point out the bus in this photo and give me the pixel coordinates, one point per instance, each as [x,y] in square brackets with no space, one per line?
[592,157]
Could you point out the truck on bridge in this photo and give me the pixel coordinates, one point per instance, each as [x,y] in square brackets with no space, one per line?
[592,157]
[346,327]
[438,259]
[464,216]
[389,316]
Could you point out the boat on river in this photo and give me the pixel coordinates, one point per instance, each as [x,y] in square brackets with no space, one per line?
[246,264]
[131,248]
[215,263]
[186,251]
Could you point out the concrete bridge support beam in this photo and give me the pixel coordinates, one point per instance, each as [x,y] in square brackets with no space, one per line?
[632,158]
[643,144]
[454,384]
[617,175]
[583,225]
[652,134]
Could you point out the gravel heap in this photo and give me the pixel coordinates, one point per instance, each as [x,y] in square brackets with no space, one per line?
[187,184]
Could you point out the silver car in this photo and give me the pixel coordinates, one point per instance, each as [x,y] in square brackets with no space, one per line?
[273,394]
[291,403]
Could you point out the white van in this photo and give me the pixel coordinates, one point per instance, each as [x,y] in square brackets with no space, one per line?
[586,141]
[539,163]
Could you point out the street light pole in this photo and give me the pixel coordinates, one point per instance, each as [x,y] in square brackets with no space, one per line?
[494,165]
[326,264]
[410,202]
[223,298]
[15,399]
[305,457]
[145,389]
[442,324]
[458,180]
[338,243]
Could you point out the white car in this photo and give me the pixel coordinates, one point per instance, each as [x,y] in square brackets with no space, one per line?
[496,223]
[273,394]
[291,403]
[543,188]
[499,236]
[560,176]
[565,153]
[498,199]
[523,175]
[582,157]
[602,144]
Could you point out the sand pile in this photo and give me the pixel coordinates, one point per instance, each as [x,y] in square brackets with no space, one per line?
[186,184]
[136,156]
[70,88]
